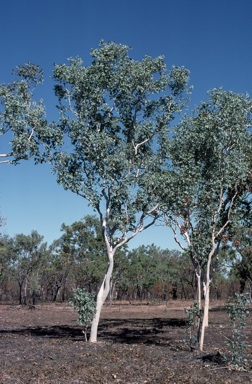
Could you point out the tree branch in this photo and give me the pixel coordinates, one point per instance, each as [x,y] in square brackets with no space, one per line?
[228,213]
[6,154]
[139,144]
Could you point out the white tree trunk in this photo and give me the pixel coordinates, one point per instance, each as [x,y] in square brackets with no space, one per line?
[207,299]
[102,295]
[205,316]
[198,275]
[206,304]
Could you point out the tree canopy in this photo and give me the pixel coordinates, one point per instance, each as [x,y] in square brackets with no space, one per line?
[116,118]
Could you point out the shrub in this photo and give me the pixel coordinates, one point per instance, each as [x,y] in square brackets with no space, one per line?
[194,323]
[238,312]
[84,303]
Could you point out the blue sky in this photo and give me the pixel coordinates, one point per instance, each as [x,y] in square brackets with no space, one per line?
[212,38]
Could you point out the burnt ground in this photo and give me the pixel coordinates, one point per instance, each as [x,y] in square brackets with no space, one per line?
[137,344]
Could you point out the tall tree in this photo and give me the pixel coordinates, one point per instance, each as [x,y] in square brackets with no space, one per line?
[210,167]
[152,268]
[142,268]
[4,259]
[26,250]
[115,121]
[111,136]
[83,244]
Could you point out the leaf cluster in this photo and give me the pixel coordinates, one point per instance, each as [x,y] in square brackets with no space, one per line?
[238,313]
[84,303]
[23,118]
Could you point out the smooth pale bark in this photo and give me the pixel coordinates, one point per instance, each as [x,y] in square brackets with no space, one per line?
[205,316]
[102,295]
[206,289]
[207,299]
[198,275]
[5,155]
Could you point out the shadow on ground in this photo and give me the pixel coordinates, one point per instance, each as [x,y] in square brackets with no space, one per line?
[132,331]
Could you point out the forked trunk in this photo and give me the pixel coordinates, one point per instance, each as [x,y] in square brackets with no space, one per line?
[101,297]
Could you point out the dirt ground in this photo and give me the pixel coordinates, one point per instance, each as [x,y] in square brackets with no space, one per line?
[137,344]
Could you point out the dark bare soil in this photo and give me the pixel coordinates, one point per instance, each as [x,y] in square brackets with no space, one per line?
[137,344]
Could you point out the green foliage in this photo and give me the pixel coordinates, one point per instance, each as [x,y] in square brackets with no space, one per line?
[152,268]
[210,165]
[142,267]
[22,118]
[5,255]
[82,245]
[194,325]
[242,264]
[84,303]
[116,118]
[26,253]
[238,313]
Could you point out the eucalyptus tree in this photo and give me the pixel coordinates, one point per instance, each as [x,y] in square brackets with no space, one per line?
[210,168]
[58,267]
[142,269]
[156,271]
[114,122]
[83,243]
[119,280]
[5,258]
[26,253]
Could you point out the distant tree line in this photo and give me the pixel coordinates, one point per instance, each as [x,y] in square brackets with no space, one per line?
[32,272]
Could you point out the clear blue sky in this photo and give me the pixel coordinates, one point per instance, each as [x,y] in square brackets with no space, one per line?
[212,38]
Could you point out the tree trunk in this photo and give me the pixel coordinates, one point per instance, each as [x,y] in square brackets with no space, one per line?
[205,317]
[102,295]
[250,292]
[198,275]
[25,291]
[20,293]
[33,298]
[206,305]
[111,292]
[207,301]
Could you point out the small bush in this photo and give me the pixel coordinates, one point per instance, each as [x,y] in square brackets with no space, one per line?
[84,303]
[194,325]
[238,312]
